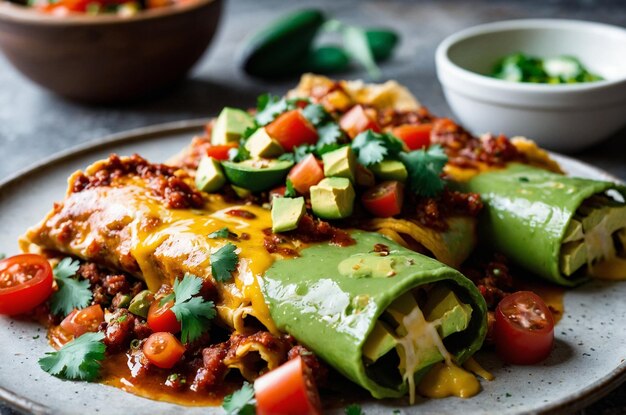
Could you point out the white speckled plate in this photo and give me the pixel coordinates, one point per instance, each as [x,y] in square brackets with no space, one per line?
[588,362]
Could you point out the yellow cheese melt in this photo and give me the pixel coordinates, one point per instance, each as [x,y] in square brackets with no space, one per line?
[445,378]
[178,242]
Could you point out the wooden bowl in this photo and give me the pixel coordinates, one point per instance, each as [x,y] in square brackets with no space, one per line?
[106,59]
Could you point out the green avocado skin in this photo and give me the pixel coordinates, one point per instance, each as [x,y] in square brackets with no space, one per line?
[527,211]
[333,313]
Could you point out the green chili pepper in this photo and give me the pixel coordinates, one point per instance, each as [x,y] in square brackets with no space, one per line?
[327,59]
[275,50]
[382,43]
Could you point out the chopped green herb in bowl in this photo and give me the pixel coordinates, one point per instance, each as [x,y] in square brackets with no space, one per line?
[519,67]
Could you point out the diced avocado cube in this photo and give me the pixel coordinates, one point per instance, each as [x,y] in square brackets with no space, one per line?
[340,163]
[573,256]
[364,176]
[286,213]
[333,198]
[390,170]
[261,145]
[379,342]
[443,304]
[230,126]
[209,175]
[140,304]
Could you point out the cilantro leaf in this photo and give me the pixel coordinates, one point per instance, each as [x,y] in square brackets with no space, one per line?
[223,262]
[315,113]
[3,255]
[270,106]
[72,293]
[66,268]
[222,233]
[330,137]
[78,359]
[241,402]
[372,148]
[193,313]
[287,157]
[425,168]
[302,151]
[354,409]
[289,189]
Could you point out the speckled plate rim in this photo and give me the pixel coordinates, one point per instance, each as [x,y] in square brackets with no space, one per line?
[573,402]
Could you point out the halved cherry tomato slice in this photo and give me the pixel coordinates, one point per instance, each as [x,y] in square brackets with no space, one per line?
[524,329]
[162,318]
[308,172]
[356,121]
[220,152]
[87,320]
[287,390]
[163,350]
[292,129]
[385,199]
[25,282]
[414,136]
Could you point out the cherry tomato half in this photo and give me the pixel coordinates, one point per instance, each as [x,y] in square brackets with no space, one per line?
[524,329]
[162,318]
[356,121]
[287,390]
[163,350]
[220,152]
[292,129]
[308,172]
[25,282]
[414,136]
[385,199]
[79,322]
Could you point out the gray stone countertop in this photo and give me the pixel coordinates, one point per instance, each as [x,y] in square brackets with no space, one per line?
[35,124]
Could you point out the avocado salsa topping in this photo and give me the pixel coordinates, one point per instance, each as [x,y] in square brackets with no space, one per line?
[519,67]
[336,227]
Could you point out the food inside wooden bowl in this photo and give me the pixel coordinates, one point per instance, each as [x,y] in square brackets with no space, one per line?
[107,58]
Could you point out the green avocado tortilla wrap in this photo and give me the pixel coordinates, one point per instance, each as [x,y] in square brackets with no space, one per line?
[376,311]
[561,228]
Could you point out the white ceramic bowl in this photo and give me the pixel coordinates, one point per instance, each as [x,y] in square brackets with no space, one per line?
[560,117]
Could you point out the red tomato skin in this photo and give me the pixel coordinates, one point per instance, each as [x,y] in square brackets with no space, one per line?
[356,121]
[163,350]
[308,172]
[287,390]
[415,136]
[517,345]
[26,296]
[292,129]
[162,318]
[220,152]
[385,199]
[278,192]
[79,322]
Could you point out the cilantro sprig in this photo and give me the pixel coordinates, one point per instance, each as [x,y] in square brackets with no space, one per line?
[270,106]
[78,359]
[425,168]
[72,293]
[371,147]
[193,312]
[241,402]
[224,262]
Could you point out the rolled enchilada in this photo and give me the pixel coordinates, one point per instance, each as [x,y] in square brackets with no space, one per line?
[561,228]
[379,313]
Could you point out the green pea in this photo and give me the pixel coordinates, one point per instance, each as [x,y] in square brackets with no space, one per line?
[382,42]
[327,59]
[140,304]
